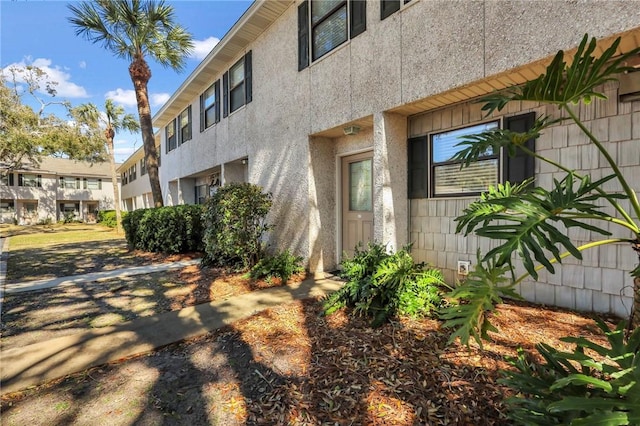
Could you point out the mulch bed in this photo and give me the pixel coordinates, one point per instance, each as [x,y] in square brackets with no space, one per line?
[290,365]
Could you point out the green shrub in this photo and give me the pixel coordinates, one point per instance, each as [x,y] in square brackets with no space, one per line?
[282,265]
[574,388]
[234,221]
[108,217]
[131,223]
[382,285]
[172,229]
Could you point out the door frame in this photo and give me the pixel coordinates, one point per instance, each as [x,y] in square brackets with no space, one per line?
[338,210]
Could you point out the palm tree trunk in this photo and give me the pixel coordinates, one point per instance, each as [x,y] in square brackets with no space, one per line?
[140,75]
[114,178]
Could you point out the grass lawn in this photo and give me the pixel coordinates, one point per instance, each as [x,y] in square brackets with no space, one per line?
[40,236]
[40,252]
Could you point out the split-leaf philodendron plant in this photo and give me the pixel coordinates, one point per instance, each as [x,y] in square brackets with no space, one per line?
[529,220]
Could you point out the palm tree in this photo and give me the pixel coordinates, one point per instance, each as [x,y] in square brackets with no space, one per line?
[133,30]
[112,120]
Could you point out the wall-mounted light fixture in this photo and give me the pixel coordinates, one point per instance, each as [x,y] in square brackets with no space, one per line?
[351,130]
[244,161]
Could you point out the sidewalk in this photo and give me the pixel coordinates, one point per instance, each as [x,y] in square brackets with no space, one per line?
[91,277]
[37,363]
[43,361]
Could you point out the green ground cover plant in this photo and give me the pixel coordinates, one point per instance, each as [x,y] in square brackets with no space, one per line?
[381,284]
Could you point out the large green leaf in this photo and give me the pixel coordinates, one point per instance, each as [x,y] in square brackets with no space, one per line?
[571,403]
[614,418]
[581,379]
[530,223]
[483,288]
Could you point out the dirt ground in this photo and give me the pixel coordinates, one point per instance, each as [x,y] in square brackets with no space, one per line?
[290,365]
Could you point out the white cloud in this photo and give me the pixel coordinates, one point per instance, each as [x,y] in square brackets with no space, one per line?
[123,97]
[201,48]
[83,64]
[159,99]
[127,97]
[64,87]
[126,151]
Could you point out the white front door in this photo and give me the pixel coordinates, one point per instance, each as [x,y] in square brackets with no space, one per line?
[357,201]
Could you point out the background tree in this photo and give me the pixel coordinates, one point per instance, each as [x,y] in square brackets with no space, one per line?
[133,30]
[111,121]
[27,136]
[534,221]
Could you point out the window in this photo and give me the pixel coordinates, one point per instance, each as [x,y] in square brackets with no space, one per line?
[324,25]
[7,179]
[202,193]
[30,180]
[132,173]
[210,106]
[432,172]
[69,182]
[70,208]
[125,177]
[92,184]
[143,165]
[170,135]
[389,7]
[6,206]
[184,123]
[447,175]
[236,85]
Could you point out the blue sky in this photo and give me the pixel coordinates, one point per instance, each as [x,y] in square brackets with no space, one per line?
[38,33]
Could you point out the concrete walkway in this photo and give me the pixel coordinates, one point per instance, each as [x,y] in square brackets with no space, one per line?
[40,362]
[94,276]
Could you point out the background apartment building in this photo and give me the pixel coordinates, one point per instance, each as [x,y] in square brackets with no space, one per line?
[56,189]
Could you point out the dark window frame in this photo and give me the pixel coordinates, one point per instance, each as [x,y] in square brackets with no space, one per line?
[514,169]
[356,24]
[214,107]
[171,141]
[38,180]
[7,179]
[185,131]
[389,7]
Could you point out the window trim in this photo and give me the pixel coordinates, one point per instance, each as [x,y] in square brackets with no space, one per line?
[389,7]
[356,23]
[432,164]
[171,141]
[204,109]
[513,168]
[188,127]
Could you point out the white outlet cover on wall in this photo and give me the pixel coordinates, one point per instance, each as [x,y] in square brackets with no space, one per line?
[463,267]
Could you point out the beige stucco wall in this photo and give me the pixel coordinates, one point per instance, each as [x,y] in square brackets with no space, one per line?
[428,47]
